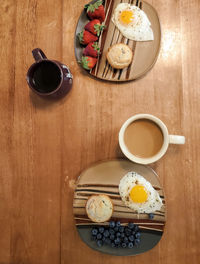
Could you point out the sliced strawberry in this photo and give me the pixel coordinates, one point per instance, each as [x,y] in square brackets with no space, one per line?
[94,27]
[86,37]
[88,62]
[92,50]
[96,10]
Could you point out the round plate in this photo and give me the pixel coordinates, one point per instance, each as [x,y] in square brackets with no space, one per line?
[145,52]
[104,178]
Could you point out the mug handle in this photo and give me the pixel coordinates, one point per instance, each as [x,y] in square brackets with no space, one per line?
[38,54]
[175,139]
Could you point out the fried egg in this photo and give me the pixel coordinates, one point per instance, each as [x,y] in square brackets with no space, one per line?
[138,194]
[132,22]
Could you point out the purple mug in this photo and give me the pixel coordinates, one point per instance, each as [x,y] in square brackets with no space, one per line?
[48,77]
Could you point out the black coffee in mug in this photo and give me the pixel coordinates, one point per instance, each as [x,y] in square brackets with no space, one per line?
[46,77]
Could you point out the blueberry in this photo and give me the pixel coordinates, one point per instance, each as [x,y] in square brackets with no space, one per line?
[127,231]
[106,233]
[103,238]
[118,245]
[118,224]
[112,244]
[94,231]
[118,234]
[130,245]
[125,239]
[121,229]
[108,241]
[137,241]
[131,225]
[111,231]
[151,216]
[112,224]
[117,241]
[131,238]
[99,236]
[136,228]
[122,235]
[112,237]
[133,232]
[99,243]
[138,235]
[124,245]
[101,229]
[116,229]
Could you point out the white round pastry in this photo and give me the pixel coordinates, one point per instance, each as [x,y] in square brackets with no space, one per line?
[99,208]
[119,55]
[138,194]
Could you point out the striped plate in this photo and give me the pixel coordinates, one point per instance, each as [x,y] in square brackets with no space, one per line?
[104,178]
[145,52]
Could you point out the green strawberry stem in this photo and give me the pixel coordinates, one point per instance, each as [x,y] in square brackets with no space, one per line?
[80,36]
[99,28]
[91,7]
[96,47]
[84,63]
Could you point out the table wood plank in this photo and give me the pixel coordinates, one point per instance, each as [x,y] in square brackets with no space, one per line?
[46,144]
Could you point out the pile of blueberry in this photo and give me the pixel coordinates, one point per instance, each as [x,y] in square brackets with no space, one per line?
[116,235]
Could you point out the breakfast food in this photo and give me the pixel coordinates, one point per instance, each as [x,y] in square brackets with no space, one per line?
[92,50]
[95,27]
[89,35]
[116,235]
[88,62]
[119,56]
[151,216]
[99,208]
[138,194]
[132,22]
[85,37]
[96,10]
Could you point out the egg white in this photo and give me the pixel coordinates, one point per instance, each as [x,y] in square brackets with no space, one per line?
[132,179]
[140,27]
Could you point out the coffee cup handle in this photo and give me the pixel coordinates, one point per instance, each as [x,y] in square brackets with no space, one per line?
[175,139]
[38,55]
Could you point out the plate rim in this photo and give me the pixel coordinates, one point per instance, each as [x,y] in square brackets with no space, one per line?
[95,163]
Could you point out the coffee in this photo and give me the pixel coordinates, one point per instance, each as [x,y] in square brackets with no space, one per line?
[46,77]
[143,138]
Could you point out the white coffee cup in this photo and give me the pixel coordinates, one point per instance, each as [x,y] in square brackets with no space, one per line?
[167,139]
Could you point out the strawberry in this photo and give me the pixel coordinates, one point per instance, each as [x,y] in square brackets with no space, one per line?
[88,62]
[94,27]
[86,37]
[96,10]
[92,50]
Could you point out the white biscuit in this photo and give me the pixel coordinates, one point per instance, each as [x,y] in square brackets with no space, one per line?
[99,208]
[119,56]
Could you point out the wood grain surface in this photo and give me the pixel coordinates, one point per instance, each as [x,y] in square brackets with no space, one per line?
[45,145]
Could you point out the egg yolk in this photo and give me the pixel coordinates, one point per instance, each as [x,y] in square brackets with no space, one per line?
[126,17]
[138,194]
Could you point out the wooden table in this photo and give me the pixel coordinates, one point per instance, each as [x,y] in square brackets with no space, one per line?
[45,145]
